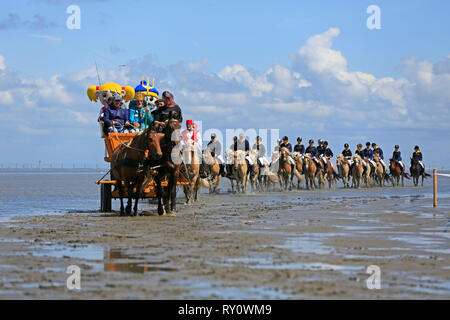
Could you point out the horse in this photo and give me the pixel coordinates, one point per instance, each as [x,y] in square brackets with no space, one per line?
[298,170]
[417,171]
[357,171]
[310,169]
[253,176]
[129,166]
[329,174]
[238,170]
[368,173]
[212,170]
[191,162]
[379,174]
[170,164]
[396,172]
[344,170]
[285,173]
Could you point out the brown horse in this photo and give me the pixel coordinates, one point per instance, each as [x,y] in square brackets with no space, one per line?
[368,174]
[310,169]
[170,164]
[357,171]
[298,171]
[192,160]
[329,174]
[253,176]
[129,166]
[396,172]
[284,170]
[212,170]
[344,170]
[379,171]
[239,170]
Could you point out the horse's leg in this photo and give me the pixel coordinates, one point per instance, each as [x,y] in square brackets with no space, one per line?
[159,194]
[173,194]
[129,187]
[120,188]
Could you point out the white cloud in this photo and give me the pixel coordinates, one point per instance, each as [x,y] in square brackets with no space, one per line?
[2,62]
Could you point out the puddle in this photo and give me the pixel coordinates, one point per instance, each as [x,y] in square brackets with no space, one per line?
[310,243]
[86,252]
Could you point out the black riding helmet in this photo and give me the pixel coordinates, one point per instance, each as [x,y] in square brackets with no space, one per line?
[325,143]
[374,144]
[346,145]
[367,144]
[285,138]
[299,139]
[396,146]
[311,141]
[416,148]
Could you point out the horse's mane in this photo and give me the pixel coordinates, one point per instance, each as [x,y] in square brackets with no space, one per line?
[308,155]
[356,157]
[207,156]
[296,154]
[253,154]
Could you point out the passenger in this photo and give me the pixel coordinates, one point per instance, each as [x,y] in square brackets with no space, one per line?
[231,160]
[397,156]
[258,146]
[243,144]
[215,148]
[116,118]
[288,146]
[312,150]
[359,152]
[321,152]
[417,155]
[161,115]
[328,154]
[368,154]
[139,113]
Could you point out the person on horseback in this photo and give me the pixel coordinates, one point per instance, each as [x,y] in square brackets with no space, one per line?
[347,153]
[243,144]
[417,155]
[191,136]
[230,160]
[312,150]
[215,148]
[359,152]
[321,151]
[286,144]
[328,154]
[397,156]
[299,147]
[258,146]
[368,154]
[378,151]
[116,117]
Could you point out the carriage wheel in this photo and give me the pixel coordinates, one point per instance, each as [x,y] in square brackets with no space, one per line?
[105,197]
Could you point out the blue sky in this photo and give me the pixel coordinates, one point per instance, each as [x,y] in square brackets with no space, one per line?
[310,68]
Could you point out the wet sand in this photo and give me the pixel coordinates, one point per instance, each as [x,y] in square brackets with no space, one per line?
[296,245]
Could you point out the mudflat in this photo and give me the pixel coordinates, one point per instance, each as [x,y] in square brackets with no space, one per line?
[295,245]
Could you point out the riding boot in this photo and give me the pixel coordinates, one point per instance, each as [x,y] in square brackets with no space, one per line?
[229,170]
[292,167]
[222,170]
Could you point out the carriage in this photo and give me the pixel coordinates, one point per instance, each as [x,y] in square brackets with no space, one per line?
[107,193]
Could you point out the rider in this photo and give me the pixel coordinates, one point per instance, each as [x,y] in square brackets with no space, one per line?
[312,150]
[417,155]
[378,151]
[192,137]
[368,154]
[347,153]
[359,152]
[288,146]
[258,146]
[321,151]
[116,118]
[397,156]
[299,147]
[215,148]
[328,154]
[230,160]
[243,144]
[161,115]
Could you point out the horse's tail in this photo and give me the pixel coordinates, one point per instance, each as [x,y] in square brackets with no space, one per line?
[204,183]
[407,176]
[297,174]
[427,175]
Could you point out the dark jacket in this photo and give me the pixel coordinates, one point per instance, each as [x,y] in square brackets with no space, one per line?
[417,155]
[111,113]
[397,156]
[347,153]
[359,153]
[320,150]
[379,152]
[328,152]
[312,151]
[260,148]
[287,146]
[162,113]
[367,154]
[299,148]
[241,146]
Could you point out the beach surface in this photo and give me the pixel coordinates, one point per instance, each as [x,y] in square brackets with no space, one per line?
[294,245]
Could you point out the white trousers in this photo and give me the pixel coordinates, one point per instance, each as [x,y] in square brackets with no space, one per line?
[250,162]
[220,159]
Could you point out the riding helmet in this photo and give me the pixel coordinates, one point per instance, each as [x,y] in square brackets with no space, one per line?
[367,144]
[299,139]
[285,138]
[325,143]
[396,146]
[416,147]
[311,141]
[346,145]
[374,144]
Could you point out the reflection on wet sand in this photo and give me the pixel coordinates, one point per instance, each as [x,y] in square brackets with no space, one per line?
[118,261]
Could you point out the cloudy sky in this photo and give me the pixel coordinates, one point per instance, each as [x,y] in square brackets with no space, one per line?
[308,68]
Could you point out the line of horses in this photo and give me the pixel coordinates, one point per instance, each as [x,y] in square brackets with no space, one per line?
[152,156]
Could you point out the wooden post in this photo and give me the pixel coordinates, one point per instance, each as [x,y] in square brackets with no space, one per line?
[434,188]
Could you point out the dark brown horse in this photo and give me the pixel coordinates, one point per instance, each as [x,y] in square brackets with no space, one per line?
[397,172]
[417,171]
[129,165]
[170,164]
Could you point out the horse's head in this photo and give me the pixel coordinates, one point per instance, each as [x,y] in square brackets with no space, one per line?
[153,145]
[172,130]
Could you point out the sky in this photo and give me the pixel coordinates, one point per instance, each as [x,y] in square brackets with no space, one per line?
[307,68]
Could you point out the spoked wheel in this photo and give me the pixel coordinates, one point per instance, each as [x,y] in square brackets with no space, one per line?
[105,197]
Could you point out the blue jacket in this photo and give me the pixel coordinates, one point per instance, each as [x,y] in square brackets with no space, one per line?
[367,154]
[359,153]
[138,115]
[328,152]
[379,151]
[320,150]
[397,156]
[347,153]
[417,155]
[288,146]
[312,151]
[120,115]
[299,148]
